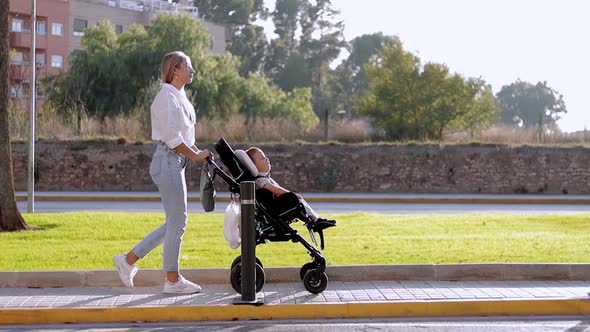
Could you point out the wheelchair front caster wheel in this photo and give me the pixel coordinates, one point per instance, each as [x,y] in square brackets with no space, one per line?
[239,260]
[314,281]
[306,267]
[236,278]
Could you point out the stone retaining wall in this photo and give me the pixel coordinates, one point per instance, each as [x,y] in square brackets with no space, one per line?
[81,166]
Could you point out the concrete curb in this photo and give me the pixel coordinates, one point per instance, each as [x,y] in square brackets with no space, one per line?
[434,272]
[296,311]
[423,200]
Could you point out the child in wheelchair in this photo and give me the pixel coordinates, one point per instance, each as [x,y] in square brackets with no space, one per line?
[275,209]
[265,181]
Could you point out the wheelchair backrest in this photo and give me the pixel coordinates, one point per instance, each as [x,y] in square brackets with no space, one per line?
[230,160]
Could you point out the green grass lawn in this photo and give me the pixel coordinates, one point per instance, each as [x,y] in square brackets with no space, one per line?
[83,241]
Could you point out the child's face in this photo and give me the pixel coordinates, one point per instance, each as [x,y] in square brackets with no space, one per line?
[261,161]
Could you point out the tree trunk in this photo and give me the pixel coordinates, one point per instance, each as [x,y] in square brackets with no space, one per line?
[10,218]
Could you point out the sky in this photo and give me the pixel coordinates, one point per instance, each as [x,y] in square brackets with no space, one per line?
[499,40]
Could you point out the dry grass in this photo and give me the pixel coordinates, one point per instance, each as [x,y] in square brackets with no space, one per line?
[237,129]
[132,128]
[51,126]
[113,127]
[135,128]
[501,134]
[343,130]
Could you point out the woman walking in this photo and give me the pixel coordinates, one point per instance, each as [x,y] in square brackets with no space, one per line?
[173,129]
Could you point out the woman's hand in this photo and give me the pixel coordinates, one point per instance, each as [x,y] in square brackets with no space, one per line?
[202,155]
[192,152]
[199,155]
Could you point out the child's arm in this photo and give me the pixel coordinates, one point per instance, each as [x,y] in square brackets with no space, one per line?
[275,189]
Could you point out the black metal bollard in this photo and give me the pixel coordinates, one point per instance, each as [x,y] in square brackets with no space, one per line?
[248,230]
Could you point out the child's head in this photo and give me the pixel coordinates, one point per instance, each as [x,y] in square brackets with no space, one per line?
[259,158]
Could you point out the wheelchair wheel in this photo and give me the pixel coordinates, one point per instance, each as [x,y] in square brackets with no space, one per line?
[315,283]
[236,278]
[239,260]
[306,267]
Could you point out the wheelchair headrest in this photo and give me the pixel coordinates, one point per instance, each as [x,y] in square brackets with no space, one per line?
[229,158]
[245,159]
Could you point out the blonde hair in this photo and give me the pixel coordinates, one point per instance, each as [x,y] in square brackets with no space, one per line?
[169,62]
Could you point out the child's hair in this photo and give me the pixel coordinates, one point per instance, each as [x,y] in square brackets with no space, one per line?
[251,151]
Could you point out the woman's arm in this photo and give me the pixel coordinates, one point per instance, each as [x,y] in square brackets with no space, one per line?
[192,153]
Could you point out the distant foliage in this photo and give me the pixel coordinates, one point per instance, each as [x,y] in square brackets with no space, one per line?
[246,39]
[115,75]
[409,100]
[527,105]
[293,76]
[350,81]
[106,77]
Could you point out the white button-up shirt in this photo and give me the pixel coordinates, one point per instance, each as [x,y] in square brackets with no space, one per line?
[173,117]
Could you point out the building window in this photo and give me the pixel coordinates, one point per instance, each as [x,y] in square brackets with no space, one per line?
[40,59]
[119,29]
[17,25]
[17,57]
[41,28]
[57,29]
[57,61]
[39,90]
[16,91]
[79,26]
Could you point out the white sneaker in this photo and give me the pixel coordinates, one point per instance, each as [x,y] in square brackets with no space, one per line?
[126,272]
[182,286]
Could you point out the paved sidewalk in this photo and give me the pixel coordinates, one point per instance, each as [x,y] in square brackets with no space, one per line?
[291,300]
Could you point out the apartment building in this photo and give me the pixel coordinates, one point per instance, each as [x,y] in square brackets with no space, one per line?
[51,43]
[123,13]
[61,24]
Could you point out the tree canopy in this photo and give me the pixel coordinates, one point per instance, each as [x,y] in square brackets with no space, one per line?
[106,77]
[245,38]
[349,81]
[263,74]
[112,72]
[409,100]
[528,105]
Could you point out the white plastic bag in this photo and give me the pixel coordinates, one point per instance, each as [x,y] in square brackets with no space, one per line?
[231,224]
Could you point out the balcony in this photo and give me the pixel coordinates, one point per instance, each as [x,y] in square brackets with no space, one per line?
[21,71]
[23,40]
[18,72]
[158,6]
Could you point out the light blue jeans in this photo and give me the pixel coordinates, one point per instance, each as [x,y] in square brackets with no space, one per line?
[167,172]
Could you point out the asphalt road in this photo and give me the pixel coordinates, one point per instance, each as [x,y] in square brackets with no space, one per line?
[460,324]
[320,207]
